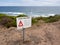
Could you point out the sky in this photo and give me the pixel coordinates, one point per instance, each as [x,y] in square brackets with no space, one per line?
[29,2]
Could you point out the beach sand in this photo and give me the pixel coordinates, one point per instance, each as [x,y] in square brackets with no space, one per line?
[44,34]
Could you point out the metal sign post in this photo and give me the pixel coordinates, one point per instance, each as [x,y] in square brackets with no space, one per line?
[23,34]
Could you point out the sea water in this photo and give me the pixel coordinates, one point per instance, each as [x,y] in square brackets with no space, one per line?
[30,10]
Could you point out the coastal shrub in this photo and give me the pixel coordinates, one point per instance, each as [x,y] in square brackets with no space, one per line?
[34,21]
[57,17]
[2,15]
[50,19]
[22,15]
[10,21]
[7,21]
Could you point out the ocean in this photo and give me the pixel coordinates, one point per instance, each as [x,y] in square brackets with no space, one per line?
[30,10]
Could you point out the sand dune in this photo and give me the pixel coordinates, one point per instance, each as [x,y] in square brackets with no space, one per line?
[45,34]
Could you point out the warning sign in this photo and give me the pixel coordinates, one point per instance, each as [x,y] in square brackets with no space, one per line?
[20,24]
[23,22]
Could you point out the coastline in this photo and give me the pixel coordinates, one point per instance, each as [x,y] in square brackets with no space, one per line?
[32,15]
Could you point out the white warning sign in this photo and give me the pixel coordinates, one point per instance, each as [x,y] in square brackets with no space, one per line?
[23,22]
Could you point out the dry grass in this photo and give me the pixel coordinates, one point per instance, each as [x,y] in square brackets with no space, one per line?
[45,34]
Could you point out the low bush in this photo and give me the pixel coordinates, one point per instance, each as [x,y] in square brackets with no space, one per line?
[22,15]
[10,21]
[7,21]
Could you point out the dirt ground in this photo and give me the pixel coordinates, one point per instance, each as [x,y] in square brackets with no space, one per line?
[44,34]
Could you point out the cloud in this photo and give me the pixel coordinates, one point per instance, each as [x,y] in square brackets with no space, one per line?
[8,4]
[32,3]
[42,2]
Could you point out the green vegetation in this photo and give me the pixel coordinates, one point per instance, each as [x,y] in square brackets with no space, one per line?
[49,19]
[7,21]
[10,21]
[22,15]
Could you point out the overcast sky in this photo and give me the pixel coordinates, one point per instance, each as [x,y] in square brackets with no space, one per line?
[29,2]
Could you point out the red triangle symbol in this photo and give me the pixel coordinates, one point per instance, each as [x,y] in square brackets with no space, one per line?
[20,24]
